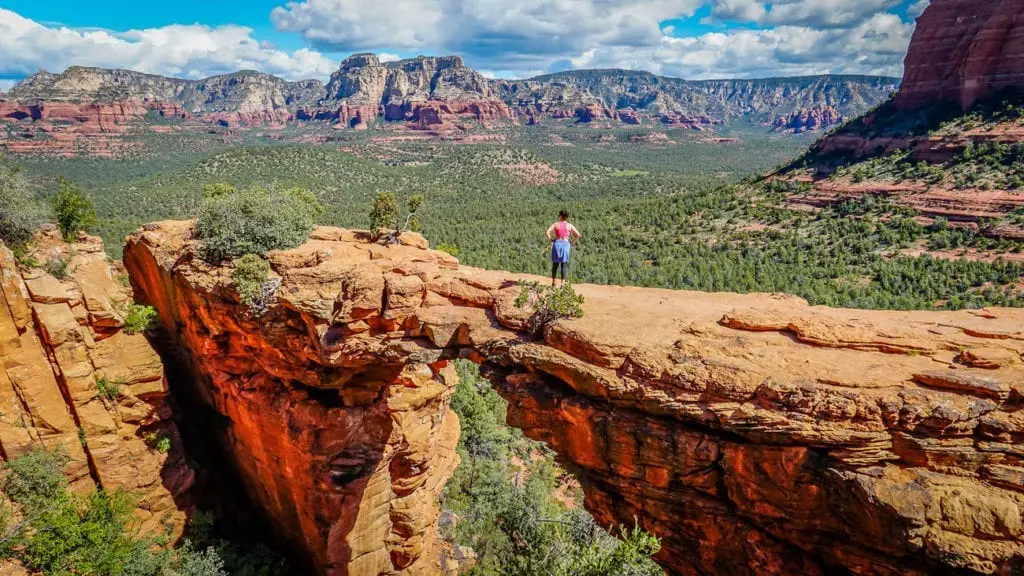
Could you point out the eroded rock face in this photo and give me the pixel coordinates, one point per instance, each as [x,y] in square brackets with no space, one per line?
[345,451]
[809,120]
[752,433]
[58,340]
[67,128]
[963,50]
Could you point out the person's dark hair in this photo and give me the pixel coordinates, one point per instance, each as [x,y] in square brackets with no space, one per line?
[564,215]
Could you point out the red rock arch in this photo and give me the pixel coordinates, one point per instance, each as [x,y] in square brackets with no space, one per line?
[753,434]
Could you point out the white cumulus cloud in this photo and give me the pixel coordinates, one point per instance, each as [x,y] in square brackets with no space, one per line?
[789,36]
[826,13]
[505,37]
[188,51]
[811,13]
[876,46]
[917,8]
[490,29]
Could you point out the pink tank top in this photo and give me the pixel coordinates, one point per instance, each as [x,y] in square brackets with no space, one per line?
[562,231]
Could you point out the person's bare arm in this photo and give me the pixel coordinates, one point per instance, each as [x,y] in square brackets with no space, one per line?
[551,233]
[576,233]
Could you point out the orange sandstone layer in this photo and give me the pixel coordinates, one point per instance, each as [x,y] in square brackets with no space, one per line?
[58,338]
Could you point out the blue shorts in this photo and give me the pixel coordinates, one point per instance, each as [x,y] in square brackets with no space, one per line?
[560,251]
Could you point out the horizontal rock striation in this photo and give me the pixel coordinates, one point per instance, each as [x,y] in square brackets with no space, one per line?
[60,341]
[753,433]
[809,120]
[67,128]
[963,50]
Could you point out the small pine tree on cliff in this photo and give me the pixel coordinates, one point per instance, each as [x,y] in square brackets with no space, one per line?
[386,223]
[73,208]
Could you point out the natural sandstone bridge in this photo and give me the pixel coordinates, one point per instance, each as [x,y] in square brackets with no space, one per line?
[753,433]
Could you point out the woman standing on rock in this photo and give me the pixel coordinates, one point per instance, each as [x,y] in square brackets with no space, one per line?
[562,236]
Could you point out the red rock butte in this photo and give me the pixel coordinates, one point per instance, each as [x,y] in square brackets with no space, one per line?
[963,50]
[754,434]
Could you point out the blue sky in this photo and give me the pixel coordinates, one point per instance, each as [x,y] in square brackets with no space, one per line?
[505,38]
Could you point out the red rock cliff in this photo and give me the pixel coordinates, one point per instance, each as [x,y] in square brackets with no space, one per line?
[754,434]
[963,50]
[58,339]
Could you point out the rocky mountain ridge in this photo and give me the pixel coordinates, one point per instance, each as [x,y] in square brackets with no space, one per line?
[364,89]
[658,96]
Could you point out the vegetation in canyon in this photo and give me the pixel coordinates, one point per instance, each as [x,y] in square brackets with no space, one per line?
[520,513]
[56,531]
[670,216]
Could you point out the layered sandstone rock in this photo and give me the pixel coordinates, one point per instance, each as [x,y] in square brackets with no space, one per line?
[963,50]
[97,129]
[423,91]
[593,112]
[753,434]
[629,117]
[677,120]
[60,342]
[345,452]
[809,120]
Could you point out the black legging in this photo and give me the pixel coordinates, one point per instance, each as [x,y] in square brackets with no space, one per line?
[554,270]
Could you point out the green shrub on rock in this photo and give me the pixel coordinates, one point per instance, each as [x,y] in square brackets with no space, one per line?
[549,304]
[59,267]
[138,318]
[108,389]
[251,277]
[233,223]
